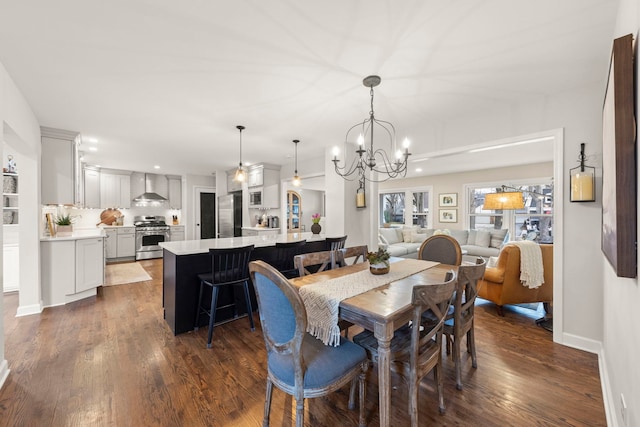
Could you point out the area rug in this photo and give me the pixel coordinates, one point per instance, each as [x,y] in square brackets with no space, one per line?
[120,274]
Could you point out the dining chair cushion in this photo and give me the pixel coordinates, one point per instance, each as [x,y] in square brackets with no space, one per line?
[322,369]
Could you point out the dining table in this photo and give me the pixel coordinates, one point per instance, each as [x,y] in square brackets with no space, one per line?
[381,310]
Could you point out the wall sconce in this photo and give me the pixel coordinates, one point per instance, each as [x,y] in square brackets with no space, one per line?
[582,181]
[361,201]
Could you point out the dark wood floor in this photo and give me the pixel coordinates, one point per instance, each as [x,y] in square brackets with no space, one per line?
[112,361]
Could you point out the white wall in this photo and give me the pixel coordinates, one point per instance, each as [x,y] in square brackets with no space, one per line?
[621,319]
[20,129]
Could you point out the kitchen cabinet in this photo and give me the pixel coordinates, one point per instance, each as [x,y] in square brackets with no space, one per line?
[115,190]
[72,268]
[175,191]
[89,264]
[11,263]
[177,233]
[271,196]
[259,231]
[10,198]
[120,243]
[60,170]
[91,188]
[263,174]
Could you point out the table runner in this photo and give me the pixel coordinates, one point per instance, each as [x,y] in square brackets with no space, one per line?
[322,300]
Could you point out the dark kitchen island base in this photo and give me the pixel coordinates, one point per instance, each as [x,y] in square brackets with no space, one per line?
[180,286]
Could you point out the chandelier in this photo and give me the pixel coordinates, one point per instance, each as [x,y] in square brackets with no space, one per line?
[377,160]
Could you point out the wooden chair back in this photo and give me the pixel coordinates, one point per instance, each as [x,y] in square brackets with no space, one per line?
[354,254]
[441,248]
[229,266]
[321,261]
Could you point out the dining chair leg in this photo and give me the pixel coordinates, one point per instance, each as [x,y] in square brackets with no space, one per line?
[299,411]
[414,388]
[267,404]
[212,316]
[471,344]
[363,390]
[456,357]
[352,394]
[440,383]
[196,322]
[247,299]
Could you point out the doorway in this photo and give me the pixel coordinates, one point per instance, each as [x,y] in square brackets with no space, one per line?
[205,214]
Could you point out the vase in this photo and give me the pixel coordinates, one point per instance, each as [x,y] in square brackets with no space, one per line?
[379,268]
[64,230]
[315,228]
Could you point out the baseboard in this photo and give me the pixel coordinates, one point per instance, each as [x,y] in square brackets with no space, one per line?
[4,372]
[596,347]
[607,396]
[26,310]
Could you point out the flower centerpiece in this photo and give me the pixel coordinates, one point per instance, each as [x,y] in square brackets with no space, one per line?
[315,227]
[379,261]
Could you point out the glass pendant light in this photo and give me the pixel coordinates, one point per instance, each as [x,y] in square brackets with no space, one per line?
[297,182]
[240,175]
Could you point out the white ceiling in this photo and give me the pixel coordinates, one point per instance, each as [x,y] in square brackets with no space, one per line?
[165,83]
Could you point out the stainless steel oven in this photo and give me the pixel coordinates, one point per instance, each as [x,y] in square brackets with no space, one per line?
[150,232]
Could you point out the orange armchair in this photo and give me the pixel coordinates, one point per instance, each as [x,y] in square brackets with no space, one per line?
[501,284]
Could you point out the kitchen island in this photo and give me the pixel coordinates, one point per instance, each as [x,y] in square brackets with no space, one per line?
[184,260]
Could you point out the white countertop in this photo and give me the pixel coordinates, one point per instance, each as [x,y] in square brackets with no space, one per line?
[189,247]
[117,226]
[262,229]
[87,233]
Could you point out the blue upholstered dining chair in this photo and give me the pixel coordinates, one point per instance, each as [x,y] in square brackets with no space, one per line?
[298,363]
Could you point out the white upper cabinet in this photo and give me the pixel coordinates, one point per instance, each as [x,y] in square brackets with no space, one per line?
[61,175]
[175,191]
[91,188]
[256,174]
[115,190]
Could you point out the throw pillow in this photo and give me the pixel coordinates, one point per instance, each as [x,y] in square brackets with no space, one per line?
[406,233]
[483,238]
[471,240]
[418,237]
[497,237]
[391,235]
[461,236]
[493,262]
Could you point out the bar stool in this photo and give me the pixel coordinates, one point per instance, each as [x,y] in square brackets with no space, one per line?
[334,243]
[285,252]
[229,267]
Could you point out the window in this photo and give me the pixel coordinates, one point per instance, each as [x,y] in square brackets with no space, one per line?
[393,208]
[533,222]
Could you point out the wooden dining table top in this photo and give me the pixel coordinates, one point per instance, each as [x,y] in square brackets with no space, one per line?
[384,304]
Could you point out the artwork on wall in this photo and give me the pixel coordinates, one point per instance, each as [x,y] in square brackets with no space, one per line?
[618,162]
[448,215]
[449,199]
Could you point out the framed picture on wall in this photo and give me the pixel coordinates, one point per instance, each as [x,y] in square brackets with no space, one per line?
[618,162]
[448,199]
[448,215]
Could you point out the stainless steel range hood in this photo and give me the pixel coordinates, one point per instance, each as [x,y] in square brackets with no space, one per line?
[150,185]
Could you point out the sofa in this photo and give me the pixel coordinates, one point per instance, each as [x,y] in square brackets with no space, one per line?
[501,284]
[405,241]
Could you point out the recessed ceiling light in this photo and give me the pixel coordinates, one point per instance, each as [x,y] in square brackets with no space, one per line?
[156,167]
[418,169]
[93,149]
[97,166]
[93,140]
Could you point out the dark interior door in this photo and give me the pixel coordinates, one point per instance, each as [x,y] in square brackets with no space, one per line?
[208,215]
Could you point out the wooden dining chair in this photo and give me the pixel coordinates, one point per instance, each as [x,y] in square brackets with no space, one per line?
[334,243]
[352,255]
[298,363]
[441,248]
[313,262]
[460,318]
[229,268]
[415,352]
[285,252]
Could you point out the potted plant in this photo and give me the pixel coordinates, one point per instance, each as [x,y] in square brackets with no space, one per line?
[64,225]
[379,261]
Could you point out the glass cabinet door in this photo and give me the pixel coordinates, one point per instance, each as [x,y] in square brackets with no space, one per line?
[294,209]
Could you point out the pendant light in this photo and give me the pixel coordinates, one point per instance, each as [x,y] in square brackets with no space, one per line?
[240,175]
[297,182]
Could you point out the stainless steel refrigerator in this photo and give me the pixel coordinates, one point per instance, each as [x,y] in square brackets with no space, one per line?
[230,215]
